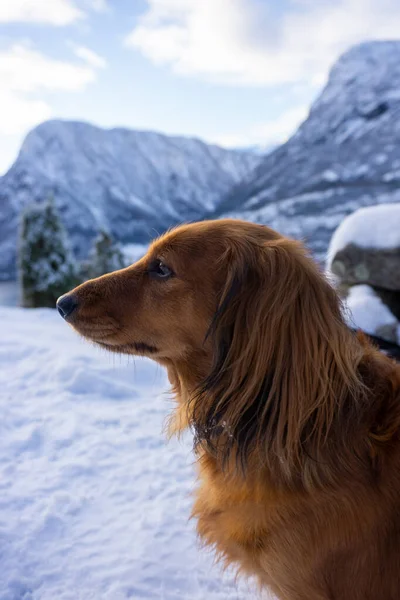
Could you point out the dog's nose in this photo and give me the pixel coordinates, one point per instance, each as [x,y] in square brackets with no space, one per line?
[66,305]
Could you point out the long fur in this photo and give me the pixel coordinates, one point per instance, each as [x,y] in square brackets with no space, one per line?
[285,374]
[296,419]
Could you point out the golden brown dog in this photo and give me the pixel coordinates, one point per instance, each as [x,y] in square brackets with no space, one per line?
[296,420]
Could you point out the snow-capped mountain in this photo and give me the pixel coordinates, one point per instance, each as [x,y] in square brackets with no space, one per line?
[345,155]
[134,184]
[130,183]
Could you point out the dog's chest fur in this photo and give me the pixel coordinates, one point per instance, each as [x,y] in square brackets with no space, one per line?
[239,522]
[300,547]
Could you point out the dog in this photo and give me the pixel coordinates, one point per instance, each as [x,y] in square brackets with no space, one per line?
[296,419]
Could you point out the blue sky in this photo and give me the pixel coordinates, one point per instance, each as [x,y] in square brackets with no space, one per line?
[234,72]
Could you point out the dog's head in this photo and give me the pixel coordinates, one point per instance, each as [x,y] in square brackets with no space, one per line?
[244,319]
[163,305]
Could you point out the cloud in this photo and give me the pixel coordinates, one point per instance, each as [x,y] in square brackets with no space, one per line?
[268,133]
[98,5]
[89,56]
[280,129]
[19,114]
[25,73]
[51,12]
[239,42]
[54,12]
[24,69]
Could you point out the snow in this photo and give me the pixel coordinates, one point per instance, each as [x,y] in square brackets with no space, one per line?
[133,252]
[330,175]
[94,501]
[380,159]
[391,176]
[371,227]
[368,312]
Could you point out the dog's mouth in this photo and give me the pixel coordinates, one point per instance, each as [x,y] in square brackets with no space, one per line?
[106,336]
[131,348]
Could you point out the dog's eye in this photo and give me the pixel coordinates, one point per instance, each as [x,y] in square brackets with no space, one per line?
[160,270]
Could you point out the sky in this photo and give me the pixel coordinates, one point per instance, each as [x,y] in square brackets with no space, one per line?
[233,72]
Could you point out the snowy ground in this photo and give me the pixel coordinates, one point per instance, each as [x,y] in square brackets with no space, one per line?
[94,503]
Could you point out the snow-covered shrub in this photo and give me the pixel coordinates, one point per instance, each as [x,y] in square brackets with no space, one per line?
[105,256]
[45,261]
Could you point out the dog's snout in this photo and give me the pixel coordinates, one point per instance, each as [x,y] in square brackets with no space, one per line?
[66,305]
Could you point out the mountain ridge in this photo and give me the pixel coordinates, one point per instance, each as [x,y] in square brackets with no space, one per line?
[346,154]
[127,182]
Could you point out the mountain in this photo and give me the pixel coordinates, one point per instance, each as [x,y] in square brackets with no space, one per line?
[133,184]
[345,155]
[260,149]
[130,183]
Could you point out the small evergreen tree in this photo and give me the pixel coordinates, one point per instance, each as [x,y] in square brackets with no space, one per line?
[45,262]
[105,256]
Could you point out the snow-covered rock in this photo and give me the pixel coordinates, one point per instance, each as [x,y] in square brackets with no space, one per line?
[364,263]
[344,156]
[371,227]
[366,248]
[366,311]
[133,184]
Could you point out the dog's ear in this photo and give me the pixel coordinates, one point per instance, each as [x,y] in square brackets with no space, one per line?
[285,364]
